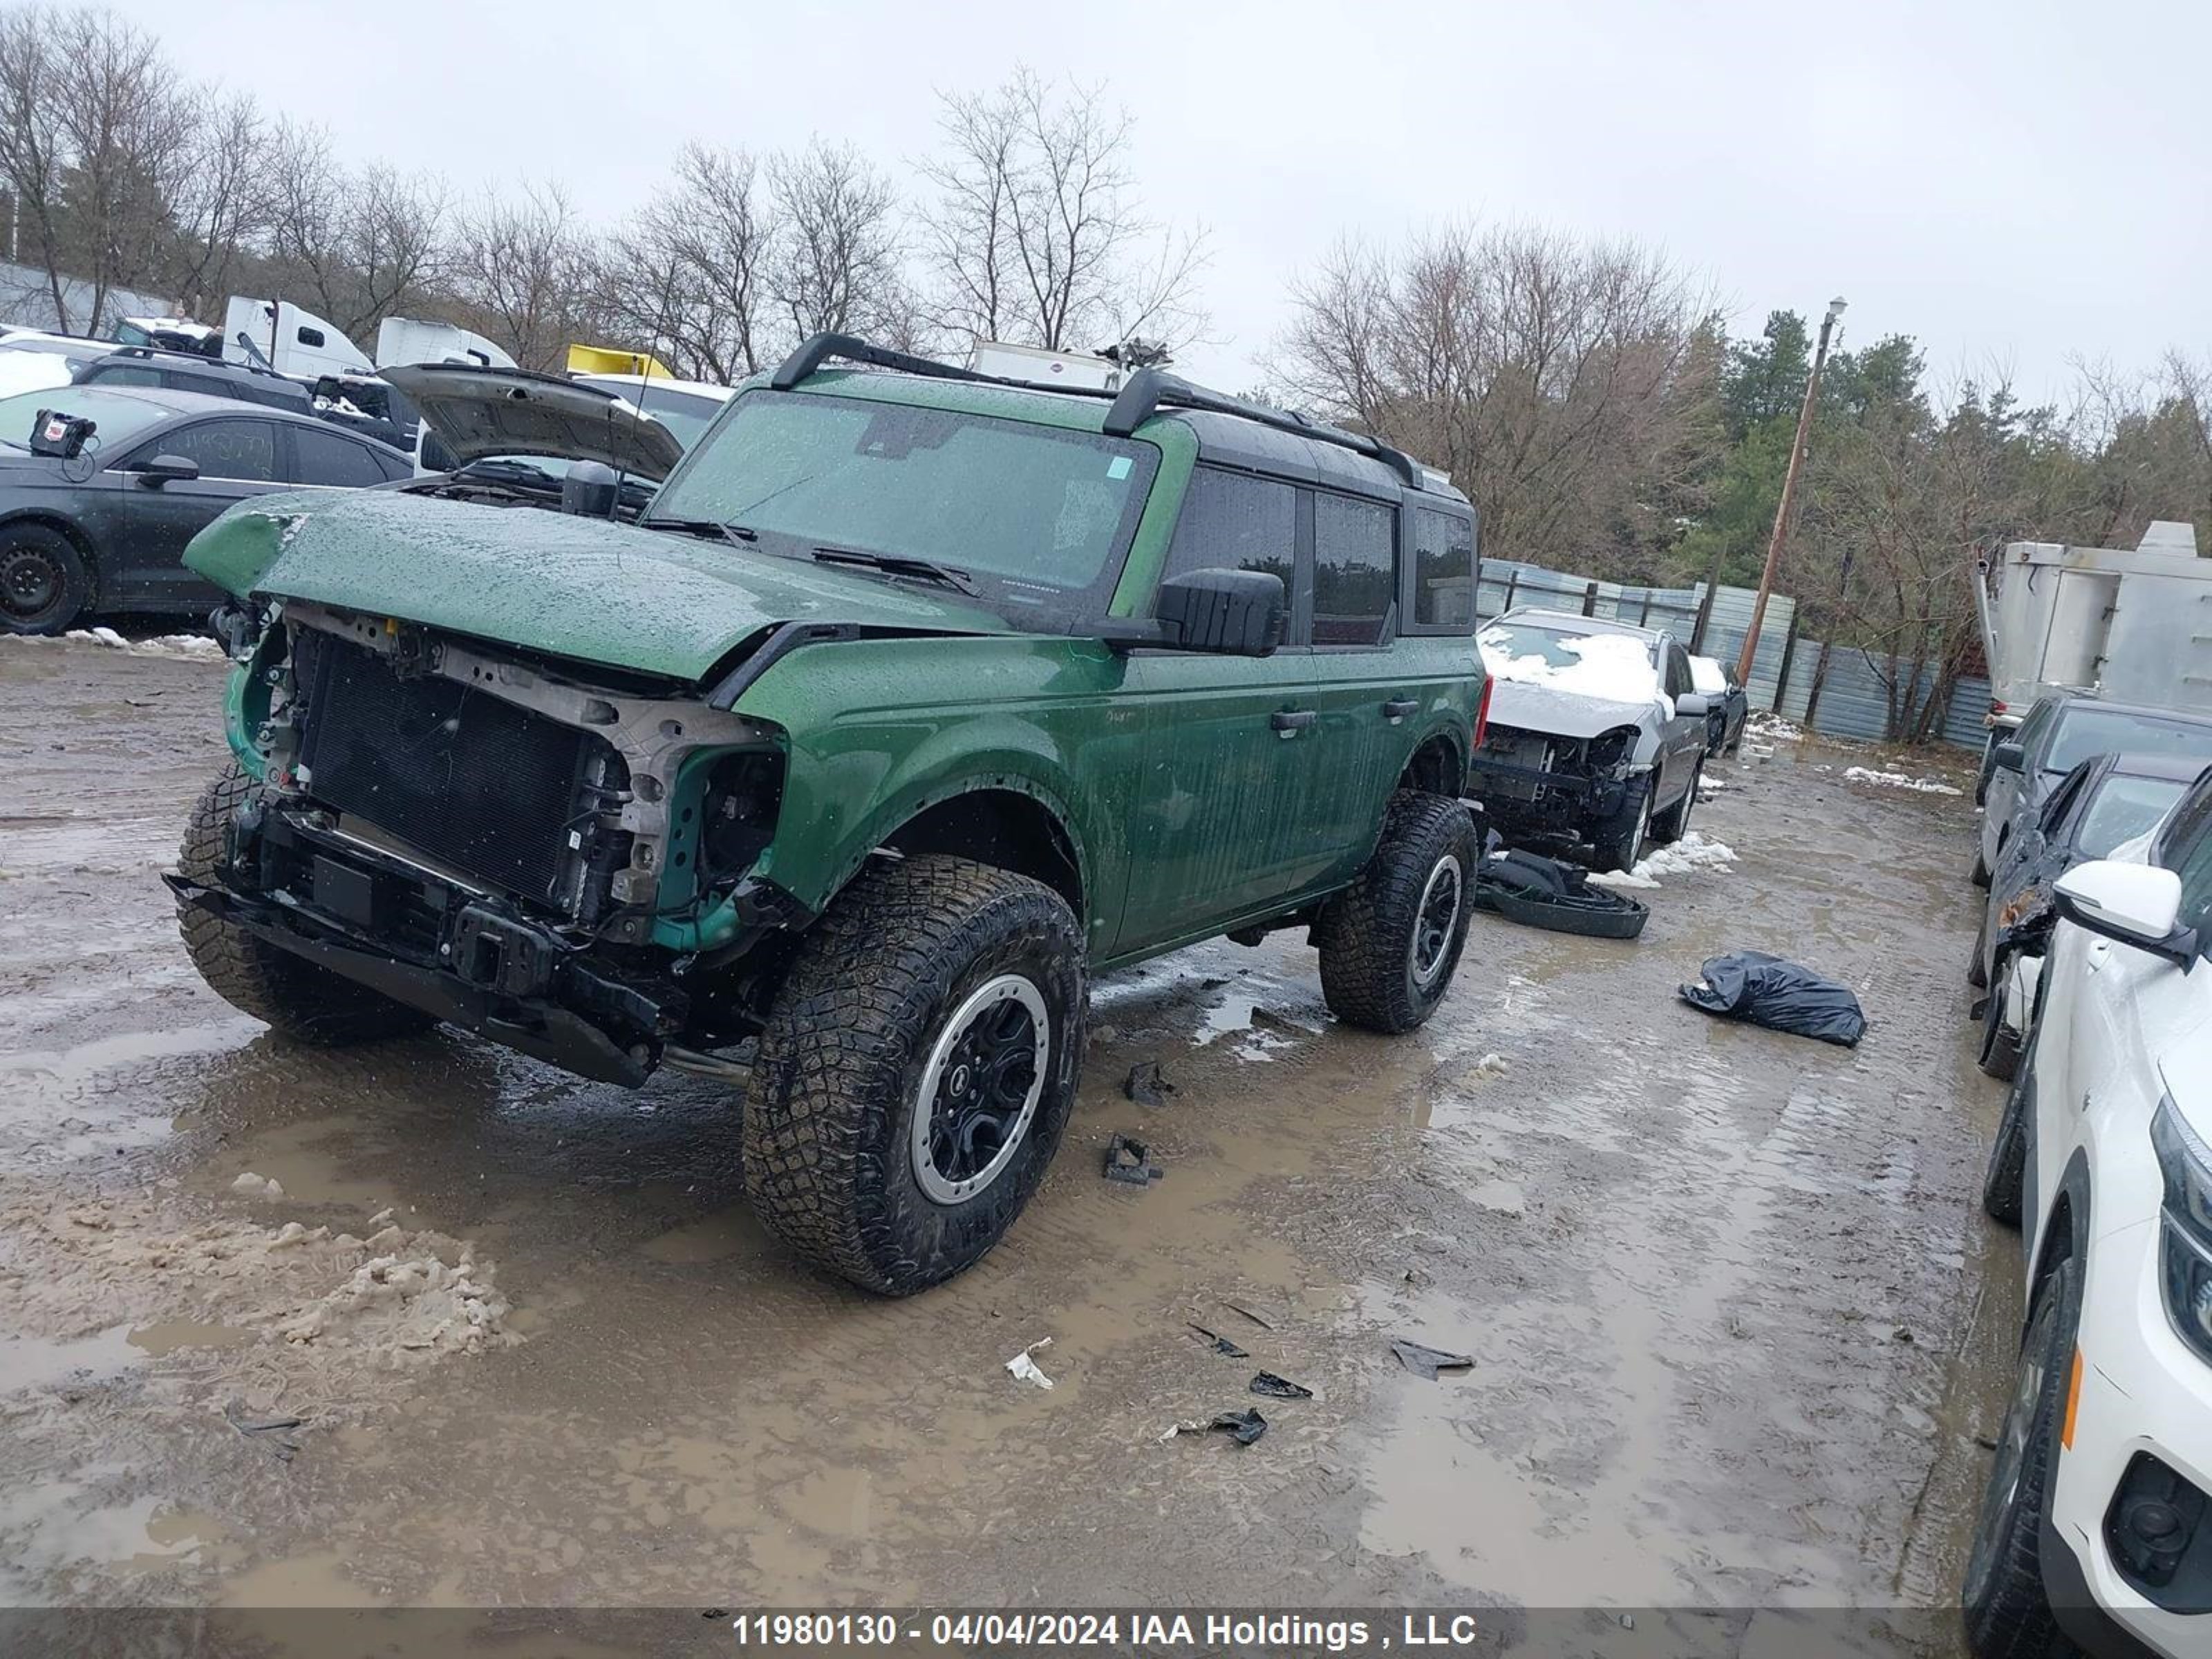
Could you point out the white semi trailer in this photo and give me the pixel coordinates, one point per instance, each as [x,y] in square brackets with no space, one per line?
[2134,626]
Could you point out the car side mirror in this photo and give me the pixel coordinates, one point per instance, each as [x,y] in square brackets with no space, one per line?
[2136,904]
[1236,613]
[2011,757]
[1696,705]
[168,469]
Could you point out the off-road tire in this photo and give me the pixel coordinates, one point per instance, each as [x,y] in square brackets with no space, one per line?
[828,1119]
[295,996]
[1671,825]
[2004,1179]
[1617,843]
[1371,975]
[2007,1608]
[44,583]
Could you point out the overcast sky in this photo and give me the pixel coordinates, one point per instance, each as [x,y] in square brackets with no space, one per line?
[2011,181]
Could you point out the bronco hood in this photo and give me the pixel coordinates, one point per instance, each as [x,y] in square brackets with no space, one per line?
[1538,707]
[653,601]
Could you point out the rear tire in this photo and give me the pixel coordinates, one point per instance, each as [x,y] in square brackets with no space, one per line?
[1979,875]
[2008,1611]
[1671,825]
[1390,942]
[917,1071]
[296,997]
[2000,1055]
[2004,1180]
[44,583]
[1619,841]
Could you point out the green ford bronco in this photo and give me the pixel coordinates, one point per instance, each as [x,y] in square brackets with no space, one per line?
[914,698]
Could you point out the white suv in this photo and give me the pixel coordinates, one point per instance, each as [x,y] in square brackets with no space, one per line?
[2098,1519]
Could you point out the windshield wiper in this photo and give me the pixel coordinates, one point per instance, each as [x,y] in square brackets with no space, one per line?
[737,534]
[899,564]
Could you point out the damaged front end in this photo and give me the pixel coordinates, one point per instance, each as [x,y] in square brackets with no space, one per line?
[1541,783]
[568,860]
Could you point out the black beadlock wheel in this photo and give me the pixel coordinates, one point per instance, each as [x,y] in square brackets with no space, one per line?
[2006,1610]
[1390,942]
[297,997]
[917,1071]
[44,583]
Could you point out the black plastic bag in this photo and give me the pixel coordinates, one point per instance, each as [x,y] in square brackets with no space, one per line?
[1779,995]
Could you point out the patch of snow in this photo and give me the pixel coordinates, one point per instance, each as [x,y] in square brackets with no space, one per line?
[1614,667]
[1693,851]
[257,1186]
[1708,788]
[1898,780]
[1773,725]
[1490,1065]
[160,644]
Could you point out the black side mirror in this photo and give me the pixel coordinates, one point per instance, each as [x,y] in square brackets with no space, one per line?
[168,469]
[1236,613]
[2011,757]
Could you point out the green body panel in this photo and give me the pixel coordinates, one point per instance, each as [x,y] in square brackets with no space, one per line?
[1188,813]
[653,601]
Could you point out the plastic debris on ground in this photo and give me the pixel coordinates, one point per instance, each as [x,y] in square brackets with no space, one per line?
[1279,1387]
[1537,891]
[1693,851]
[1425,1361]
[1244,1427]
[1898,780]
[1221,1345]
[1782,996]
[1488,1066]
[1147,1085]
[1130,1162]
[1023,1369]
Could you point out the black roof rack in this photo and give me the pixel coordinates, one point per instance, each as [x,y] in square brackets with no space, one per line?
[1139,398]
[1143,392]
[199,359]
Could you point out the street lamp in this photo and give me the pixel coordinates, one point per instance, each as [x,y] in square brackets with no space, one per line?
[1789,495]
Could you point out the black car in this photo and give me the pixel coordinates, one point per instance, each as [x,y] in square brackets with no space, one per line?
[2061,731]
[103,529]
[1728,705]
[2104,802]
[180,371]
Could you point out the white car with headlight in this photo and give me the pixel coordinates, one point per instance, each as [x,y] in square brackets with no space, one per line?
[2097,1522]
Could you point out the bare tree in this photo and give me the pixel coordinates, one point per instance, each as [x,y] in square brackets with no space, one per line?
[525,272]
[95,132]
[220,205]
[363,242]
[839,263]
[688,277]
[1567,386]
[1038,235]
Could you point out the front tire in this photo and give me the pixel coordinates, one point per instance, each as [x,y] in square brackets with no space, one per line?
[44,584]
[1390,942]
[917,1071]
[1618,842]
[2008,1612]
[296,997]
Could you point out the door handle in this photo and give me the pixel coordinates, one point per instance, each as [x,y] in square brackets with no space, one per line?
[1290,721]
[1398,708]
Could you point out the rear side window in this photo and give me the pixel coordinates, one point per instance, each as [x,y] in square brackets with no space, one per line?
[324,458]
[227,449]
[1355,570]
[1232,521]
[122,374]
[1443,570]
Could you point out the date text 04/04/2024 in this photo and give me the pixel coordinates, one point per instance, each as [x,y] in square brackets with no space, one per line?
[1325,1632]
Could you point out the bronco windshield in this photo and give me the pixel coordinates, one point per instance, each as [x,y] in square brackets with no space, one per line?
[1036,518]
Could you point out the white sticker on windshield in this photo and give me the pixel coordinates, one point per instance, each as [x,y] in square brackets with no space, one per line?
[1118,467]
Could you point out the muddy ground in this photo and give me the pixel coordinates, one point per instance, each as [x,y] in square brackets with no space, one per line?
[1736,1320]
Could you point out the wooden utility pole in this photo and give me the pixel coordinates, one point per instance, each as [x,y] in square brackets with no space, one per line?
[1789,495]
